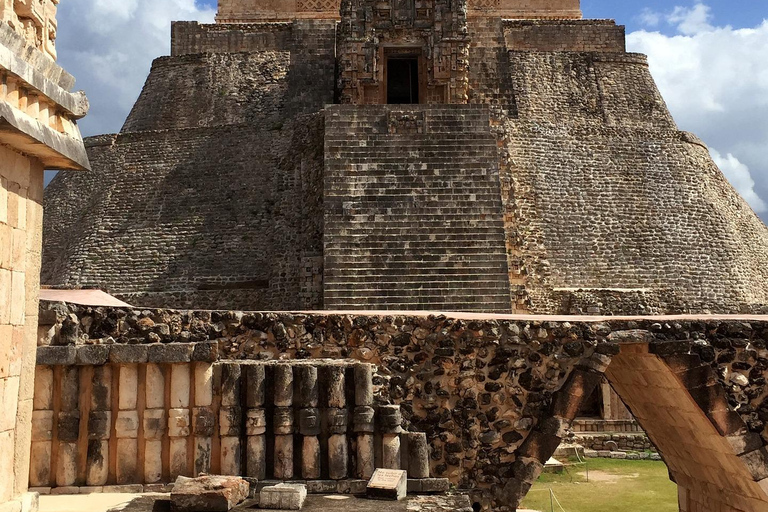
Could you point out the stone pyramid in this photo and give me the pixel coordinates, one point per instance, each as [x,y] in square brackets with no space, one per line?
[281,159]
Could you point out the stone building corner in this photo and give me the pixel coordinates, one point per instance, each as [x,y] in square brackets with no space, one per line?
[38,131]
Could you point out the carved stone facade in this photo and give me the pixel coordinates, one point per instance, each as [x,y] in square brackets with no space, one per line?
[33,19]
[433,32]
[250,11]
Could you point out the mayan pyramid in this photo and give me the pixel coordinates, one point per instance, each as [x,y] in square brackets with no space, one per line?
[472,155]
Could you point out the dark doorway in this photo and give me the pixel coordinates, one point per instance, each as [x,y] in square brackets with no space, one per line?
[402,80]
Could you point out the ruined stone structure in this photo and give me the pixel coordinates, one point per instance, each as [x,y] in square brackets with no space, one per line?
[498,156]
[146,395]
[38,131]
[487,156]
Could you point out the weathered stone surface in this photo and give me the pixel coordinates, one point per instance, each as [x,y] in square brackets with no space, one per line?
[64,355]
[283,496]
[126,354]
[208,493]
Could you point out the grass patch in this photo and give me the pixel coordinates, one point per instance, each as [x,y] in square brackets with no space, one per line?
[613,486]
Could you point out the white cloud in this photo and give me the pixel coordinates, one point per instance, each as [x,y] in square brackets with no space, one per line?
[715,82]
[739,176]
[109,45]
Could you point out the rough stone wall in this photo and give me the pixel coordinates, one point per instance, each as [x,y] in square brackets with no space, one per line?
[21,215]
[191,37]
[171,240]
[495,394]
[564,35]
[598,172]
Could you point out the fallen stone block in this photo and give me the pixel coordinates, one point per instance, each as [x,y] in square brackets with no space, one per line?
[283,496]
[208,493]
[388,484]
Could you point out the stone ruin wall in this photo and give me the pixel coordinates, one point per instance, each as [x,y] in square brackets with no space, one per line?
[510,386]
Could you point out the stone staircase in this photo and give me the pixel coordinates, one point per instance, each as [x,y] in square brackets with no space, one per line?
[413,214]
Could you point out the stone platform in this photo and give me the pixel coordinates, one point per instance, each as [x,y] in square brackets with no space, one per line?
[318,503]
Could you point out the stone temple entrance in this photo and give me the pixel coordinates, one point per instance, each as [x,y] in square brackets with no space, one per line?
[402,79]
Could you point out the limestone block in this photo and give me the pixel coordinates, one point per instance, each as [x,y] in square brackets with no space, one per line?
[283,459]
[338,456]
[363,419]
[92,355]
[418,455]
[69,426]
[153,460]
[5,296]
[40,464]
[283,421]
[429,485]
[6,342]
[22,446]
[178,457]
[390,451]
[364,384]
[42,425]
[389,419]
[283,379]
[154,423]
[283,496]
[255,392]
[202,457]
[230,456]
[255,422]
[127,461]
[203,384]
[337,420]
[99,424]
[97,462]
[309,422]
[18,249]
[121,353]
[257,457]
[6,465]
[127,424]
[230,421]
[43,388]
[9,400]
[310,458]
[231,381]
[128,386]
[180,385]
[336,387]
[69,388]
[178,422]
[365,461]
[55,355]
[205,351]
[66,464]
[101,388]
[306,379]
[155,387]
[18,298]
[170,352]
[208,493]
[203,421]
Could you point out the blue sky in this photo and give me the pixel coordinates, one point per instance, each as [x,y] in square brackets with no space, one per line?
[708,58]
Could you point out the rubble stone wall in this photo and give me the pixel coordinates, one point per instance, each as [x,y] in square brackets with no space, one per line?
[21,216]
[494,394]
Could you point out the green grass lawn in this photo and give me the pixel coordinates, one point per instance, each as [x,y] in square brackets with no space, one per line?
[614,486]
